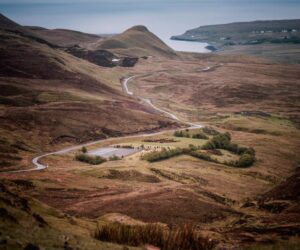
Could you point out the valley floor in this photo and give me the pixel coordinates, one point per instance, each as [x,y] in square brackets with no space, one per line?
[236,207]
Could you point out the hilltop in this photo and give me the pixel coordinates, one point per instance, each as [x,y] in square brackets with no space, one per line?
[64,37]
[123,49]
[137,41]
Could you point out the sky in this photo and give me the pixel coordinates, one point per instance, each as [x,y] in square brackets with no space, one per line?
[163,17]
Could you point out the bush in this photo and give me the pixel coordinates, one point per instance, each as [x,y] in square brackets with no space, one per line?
[246,160]
[220,141]
[162,155]
[84,150]
[178,134]
[223,141]
[182,134]
[210,131]
[184,238]
[93,160]
[234,148]
[200,136]
[114,158]
[193,147]
[124,146]
[214,152]
[209,145]
[201,155]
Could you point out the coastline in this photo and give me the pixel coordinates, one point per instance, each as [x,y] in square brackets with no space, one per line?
[208,46]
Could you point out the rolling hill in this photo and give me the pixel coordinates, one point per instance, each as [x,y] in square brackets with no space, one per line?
[64,37]
[56,93]
[277,40]
[123,49]
[137,41]
[49,97]
[245,33]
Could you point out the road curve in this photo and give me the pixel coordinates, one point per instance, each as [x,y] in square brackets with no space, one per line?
[149,102]
[39,166]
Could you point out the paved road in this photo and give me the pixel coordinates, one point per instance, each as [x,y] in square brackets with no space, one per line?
[150,103]
[39,166]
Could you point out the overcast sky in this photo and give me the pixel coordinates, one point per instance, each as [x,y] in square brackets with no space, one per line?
[163,17]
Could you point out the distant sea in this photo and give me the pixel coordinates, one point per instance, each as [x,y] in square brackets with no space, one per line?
[163,17]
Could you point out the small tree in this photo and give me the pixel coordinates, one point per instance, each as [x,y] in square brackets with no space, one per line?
[84,150]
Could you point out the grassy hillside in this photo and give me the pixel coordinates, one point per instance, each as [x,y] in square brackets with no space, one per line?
[137,41]
[234,181]
[48,227]
[63,37]
[49,97]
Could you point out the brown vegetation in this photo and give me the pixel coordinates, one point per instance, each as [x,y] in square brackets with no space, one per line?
[40,101]
[185,237]
[61,100]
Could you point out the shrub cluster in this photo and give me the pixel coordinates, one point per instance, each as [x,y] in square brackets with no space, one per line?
[223,141]
[114,158]
[200,135]
[181,133]
[161,155]
[124,146]
[201,155]
[215,152]
[210,131]
[84,150]
[184,238]
[220,141]
[192,147]
[246,159]
[93,160]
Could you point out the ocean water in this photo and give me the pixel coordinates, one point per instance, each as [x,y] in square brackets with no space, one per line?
[187,46]
[163,17]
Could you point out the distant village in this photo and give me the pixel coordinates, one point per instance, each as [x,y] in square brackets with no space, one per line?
[273,31]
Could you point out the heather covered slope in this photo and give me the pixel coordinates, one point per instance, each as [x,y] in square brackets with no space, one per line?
[51,100]
[137,41]
[49,97]
[64,37]
[49,228]
[10,26]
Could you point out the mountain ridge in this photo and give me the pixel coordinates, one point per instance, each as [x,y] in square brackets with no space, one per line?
[137,41]
[44,88]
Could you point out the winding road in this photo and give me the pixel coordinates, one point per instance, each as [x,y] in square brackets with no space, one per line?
[39,166]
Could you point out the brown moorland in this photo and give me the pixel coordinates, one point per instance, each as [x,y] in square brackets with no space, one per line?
[255,100]
[44,89]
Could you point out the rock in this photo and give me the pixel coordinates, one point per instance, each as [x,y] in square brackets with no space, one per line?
[129,61]
[211,48]
[102,57]
[30,246]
